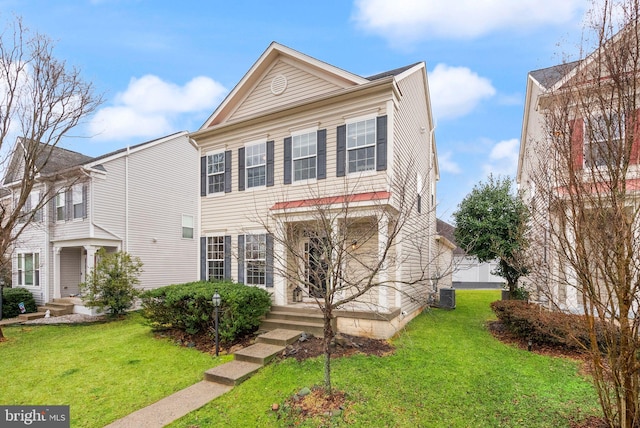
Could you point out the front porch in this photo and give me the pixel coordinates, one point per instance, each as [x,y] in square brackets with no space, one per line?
[356,320]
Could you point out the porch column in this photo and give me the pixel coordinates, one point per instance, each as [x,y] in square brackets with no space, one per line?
[279,264]
[571,292]
[56,272]
[383,275]
[91,260]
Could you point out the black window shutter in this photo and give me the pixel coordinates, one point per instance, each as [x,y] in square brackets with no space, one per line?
[287,160]
[381,143]
[322,154]
[52,208]
[419,204]
[269,262]
[85,202]
[203,176]
[241,168]
[227,171]
[241,259]
[68,204]
[270,160]
[203,258]
[227,257]
[341,154]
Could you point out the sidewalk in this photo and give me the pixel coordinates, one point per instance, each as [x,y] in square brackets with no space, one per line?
[218,380]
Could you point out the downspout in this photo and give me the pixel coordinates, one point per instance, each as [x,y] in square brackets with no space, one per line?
[126,200]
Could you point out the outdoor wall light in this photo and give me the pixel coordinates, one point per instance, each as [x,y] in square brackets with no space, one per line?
[216,300]
[354,244]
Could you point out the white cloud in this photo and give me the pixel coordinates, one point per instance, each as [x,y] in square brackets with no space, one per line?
[447,165]
[503,159]
[411,20]
[150,107]
[455,91]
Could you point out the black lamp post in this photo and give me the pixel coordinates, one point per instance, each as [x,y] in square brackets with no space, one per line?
[216,304]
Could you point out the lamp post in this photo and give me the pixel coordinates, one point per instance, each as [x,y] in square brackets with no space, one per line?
[216,304]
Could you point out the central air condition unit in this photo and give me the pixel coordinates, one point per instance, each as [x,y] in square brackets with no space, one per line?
[448,298]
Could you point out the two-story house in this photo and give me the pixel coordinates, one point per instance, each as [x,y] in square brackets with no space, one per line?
[141,199]
[297,134]
[579,173]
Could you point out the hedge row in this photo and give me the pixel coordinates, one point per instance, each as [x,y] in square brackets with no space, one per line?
[12,297]
[543,327]
[189,307]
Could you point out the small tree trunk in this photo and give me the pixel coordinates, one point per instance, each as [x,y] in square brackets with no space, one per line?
[328,337]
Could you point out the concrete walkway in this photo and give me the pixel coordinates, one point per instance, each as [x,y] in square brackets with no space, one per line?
[218,381]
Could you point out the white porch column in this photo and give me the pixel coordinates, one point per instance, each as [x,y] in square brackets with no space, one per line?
[279,264]
[91,259]
[383,275]
[56,272]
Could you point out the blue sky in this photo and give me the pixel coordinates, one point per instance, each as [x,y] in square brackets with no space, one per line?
[163,66]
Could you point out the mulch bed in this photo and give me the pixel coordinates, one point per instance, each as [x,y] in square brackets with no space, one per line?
[311,347]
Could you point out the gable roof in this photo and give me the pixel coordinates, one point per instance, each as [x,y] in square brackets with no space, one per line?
[262,65]
[50,160]
[547,77]
[447,231]
[342,79]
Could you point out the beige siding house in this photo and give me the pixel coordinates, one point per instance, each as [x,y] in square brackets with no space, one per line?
[296,134]
[142,200]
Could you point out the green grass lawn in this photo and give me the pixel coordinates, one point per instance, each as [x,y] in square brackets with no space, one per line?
[447,371]
[103,371]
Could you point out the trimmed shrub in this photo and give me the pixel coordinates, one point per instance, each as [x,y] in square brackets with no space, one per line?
[11,297]
[188,307]
[544,327]
[111,285]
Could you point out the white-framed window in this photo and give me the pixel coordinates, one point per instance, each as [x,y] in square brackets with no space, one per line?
[60,196]
[29,269]
[215,172]
[77,201]
[304,150]
[256,164]
[604,140]
[187,226]
[361,145]
[215,257]
[255,256]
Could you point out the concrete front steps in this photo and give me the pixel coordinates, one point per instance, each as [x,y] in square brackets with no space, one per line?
[291,318]
[56,308]
[249,360]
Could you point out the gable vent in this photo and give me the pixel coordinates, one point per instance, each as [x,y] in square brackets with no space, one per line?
[278,84]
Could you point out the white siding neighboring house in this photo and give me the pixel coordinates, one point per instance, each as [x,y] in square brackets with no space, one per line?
[468,272]
[142,200]
[251,170]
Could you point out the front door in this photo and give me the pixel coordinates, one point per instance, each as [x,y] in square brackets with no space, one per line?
[316,266]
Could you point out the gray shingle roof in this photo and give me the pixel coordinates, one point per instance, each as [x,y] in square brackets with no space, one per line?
[549,76]
[445,229]
[393,72]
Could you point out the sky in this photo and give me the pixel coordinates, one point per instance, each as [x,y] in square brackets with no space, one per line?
[164,66]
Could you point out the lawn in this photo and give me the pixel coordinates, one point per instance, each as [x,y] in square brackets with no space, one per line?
[447,371]
[103,371]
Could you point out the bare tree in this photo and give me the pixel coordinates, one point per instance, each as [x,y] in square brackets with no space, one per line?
[41,100]
[346,254]
[583,178]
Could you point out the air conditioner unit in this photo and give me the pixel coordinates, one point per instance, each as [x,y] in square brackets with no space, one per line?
[448,298]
